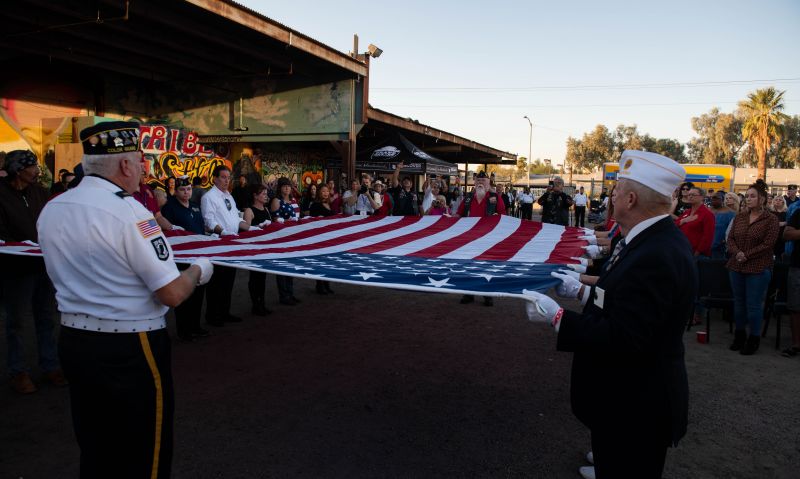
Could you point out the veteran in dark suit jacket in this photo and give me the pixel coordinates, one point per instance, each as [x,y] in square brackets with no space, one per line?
[629,384]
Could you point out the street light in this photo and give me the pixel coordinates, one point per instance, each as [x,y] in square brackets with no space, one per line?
[530,148]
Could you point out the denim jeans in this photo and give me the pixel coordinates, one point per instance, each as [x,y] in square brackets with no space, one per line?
[749,292]
[26,294]
[699,309]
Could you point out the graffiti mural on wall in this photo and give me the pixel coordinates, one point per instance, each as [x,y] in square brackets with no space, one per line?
[176,152]
[302,167]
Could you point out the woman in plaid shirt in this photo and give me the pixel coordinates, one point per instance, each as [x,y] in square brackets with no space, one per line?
[750,246]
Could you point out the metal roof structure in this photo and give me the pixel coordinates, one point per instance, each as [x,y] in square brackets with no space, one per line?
[203,43]
[204,40]
[447,146]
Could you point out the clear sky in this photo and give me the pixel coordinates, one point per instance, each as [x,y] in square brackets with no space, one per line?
[475,68]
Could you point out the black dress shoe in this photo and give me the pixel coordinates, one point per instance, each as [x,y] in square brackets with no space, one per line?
[467,298]
[215,322]
[200,333]
[186,338]
[287,301]
[321,290]
[296,301]
[232,319]
[488,301]
[328,289]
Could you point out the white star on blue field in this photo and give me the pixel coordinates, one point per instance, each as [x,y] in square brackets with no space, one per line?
[417,273]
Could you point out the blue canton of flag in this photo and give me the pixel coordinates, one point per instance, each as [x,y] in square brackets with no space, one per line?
[488,278]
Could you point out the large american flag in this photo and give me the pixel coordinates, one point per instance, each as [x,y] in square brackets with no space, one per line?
[490,256]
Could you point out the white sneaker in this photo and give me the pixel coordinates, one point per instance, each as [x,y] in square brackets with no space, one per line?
[586,472]
[590,457]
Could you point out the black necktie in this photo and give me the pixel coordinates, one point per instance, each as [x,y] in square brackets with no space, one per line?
[615,255]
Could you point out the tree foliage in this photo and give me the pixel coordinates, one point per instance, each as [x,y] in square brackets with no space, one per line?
[719,138]
[763,123]
[787,152]
[537,167]
[602,145]
[758,133]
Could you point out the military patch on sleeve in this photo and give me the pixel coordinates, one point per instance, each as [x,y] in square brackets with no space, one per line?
[160,245]
[148,228]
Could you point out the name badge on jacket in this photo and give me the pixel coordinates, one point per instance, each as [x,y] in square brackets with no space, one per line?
[599,297]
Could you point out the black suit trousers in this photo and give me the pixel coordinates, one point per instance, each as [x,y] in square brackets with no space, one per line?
[121,395]
[580,216]
[621,453]
[218,293]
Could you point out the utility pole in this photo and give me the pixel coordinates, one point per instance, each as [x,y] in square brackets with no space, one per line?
[530,149]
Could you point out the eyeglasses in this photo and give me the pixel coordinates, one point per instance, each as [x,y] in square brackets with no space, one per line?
[685,189]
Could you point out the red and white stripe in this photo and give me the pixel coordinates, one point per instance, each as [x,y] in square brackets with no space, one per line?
[497,238]
[493,238]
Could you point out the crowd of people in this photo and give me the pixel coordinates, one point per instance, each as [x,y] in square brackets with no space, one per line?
[645,241]
[705,217]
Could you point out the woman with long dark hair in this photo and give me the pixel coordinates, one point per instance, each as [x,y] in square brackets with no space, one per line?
[682,205]
[309,197]
[322,207]
[750,245]
[170,185]
[284,207]
[257,215]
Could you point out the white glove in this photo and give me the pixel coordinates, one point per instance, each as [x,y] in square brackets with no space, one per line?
[226,233]
[542,308]
[206,270]
[569,287]
[583,261]
[592,239]
[265,223]
[579,268]
[280,220]
[593,251]
[570,273]
[254,228]
[177,228]
[589,231]
[295,218]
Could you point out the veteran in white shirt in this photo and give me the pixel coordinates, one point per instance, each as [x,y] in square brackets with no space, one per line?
[221,216]
[580,207]
[115,279]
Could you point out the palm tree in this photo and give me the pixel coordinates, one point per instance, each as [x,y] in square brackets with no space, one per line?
[763,123]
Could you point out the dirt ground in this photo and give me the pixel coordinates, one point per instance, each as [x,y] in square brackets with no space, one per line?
[371,383]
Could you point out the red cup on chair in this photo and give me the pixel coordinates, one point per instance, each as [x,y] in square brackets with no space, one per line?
[702,337]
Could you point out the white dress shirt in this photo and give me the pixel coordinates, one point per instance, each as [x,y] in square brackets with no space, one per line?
[106,256]
[363,204]
[219,209]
